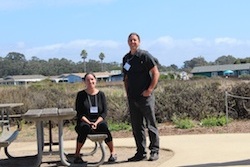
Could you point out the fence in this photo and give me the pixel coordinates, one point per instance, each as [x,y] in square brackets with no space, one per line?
[234,96]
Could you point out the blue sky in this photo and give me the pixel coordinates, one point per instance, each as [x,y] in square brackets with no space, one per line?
[174,31]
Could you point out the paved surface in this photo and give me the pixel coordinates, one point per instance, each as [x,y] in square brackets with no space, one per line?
[208,150]
[211,150]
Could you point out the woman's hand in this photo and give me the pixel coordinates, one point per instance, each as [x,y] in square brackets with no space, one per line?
[93,125]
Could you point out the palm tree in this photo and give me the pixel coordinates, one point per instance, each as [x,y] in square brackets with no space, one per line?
[84,56]
[101,57]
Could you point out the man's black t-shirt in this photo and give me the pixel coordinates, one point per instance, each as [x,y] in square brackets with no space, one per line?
[138,74]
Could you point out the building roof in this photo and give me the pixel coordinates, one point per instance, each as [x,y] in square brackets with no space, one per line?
[97,74]
[21,77]
[62,78]
[225,67]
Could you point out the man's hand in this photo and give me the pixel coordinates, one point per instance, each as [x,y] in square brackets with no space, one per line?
[146,93]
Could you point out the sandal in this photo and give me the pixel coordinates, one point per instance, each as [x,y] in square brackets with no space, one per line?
[78,160]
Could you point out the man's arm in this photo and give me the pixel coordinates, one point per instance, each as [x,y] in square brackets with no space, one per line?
[155,77]
[125,80]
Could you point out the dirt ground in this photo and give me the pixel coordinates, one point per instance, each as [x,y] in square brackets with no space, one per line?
[28,134]
[165,129]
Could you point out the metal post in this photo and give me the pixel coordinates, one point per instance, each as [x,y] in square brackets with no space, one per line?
[50,136]
[226,104]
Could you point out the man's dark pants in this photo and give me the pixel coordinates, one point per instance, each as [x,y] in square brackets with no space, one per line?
[142,109]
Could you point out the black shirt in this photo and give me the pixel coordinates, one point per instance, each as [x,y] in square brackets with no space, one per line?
[83,106]
[138,74]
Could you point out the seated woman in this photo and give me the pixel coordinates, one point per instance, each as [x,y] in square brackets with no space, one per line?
[91,110]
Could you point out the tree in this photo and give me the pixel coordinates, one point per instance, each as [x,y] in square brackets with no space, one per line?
[84,55]
[242,61]
[225,60]
[195,62]
[94,65]
[101,57]
[34,66]
[174,67]
[14,64]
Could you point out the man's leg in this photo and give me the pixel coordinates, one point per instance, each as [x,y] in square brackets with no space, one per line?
[149,114]
[138,131]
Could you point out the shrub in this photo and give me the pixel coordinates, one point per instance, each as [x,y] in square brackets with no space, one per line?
[182,123]
[239,105]
[245,77]
[214,121]
[196,99]
[193,99]
[199,77]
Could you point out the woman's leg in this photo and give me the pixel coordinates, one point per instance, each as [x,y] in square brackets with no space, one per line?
[111,147]
[78,148]
[103,128]
[82,130]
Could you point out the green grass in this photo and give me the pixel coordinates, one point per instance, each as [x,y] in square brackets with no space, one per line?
[184,123]
[114,126]
[214,121]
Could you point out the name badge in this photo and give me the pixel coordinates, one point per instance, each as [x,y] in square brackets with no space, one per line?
[93,110]
[127,66]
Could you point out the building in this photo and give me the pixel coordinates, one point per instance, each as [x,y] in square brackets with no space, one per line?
[101,76]
[21,79]
[234,70]
[69,78]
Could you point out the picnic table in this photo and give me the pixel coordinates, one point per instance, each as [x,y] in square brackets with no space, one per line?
[49,114]
[58,116]
[7,135]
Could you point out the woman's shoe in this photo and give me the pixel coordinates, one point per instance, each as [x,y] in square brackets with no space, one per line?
[78,160]
[112,158]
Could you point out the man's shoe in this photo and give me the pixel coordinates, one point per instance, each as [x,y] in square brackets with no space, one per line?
[137,157]
[153,156]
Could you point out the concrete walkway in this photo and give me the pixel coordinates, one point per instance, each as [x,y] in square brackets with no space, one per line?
[209,150]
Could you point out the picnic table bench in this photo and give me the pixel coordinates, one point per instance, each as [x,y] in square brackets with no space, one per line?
[98,138]
[8,135]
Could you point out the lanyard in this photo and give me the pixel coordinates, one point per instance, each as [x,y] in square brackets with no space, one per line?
[90,104]
[128,59]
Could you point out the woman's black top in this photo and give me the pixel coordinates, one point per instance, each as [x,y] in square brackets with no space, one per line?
[82,105]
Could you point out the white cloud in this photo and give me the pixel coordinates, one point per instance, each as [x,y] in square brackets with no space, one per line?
[167,49]
[73,49]
[227,40]
[177,51]
[47,48]
[92,43]
[201,41]
[165,41]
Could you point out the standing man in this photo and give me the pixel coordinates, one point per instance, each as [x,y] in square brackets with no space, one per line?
[140,78]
